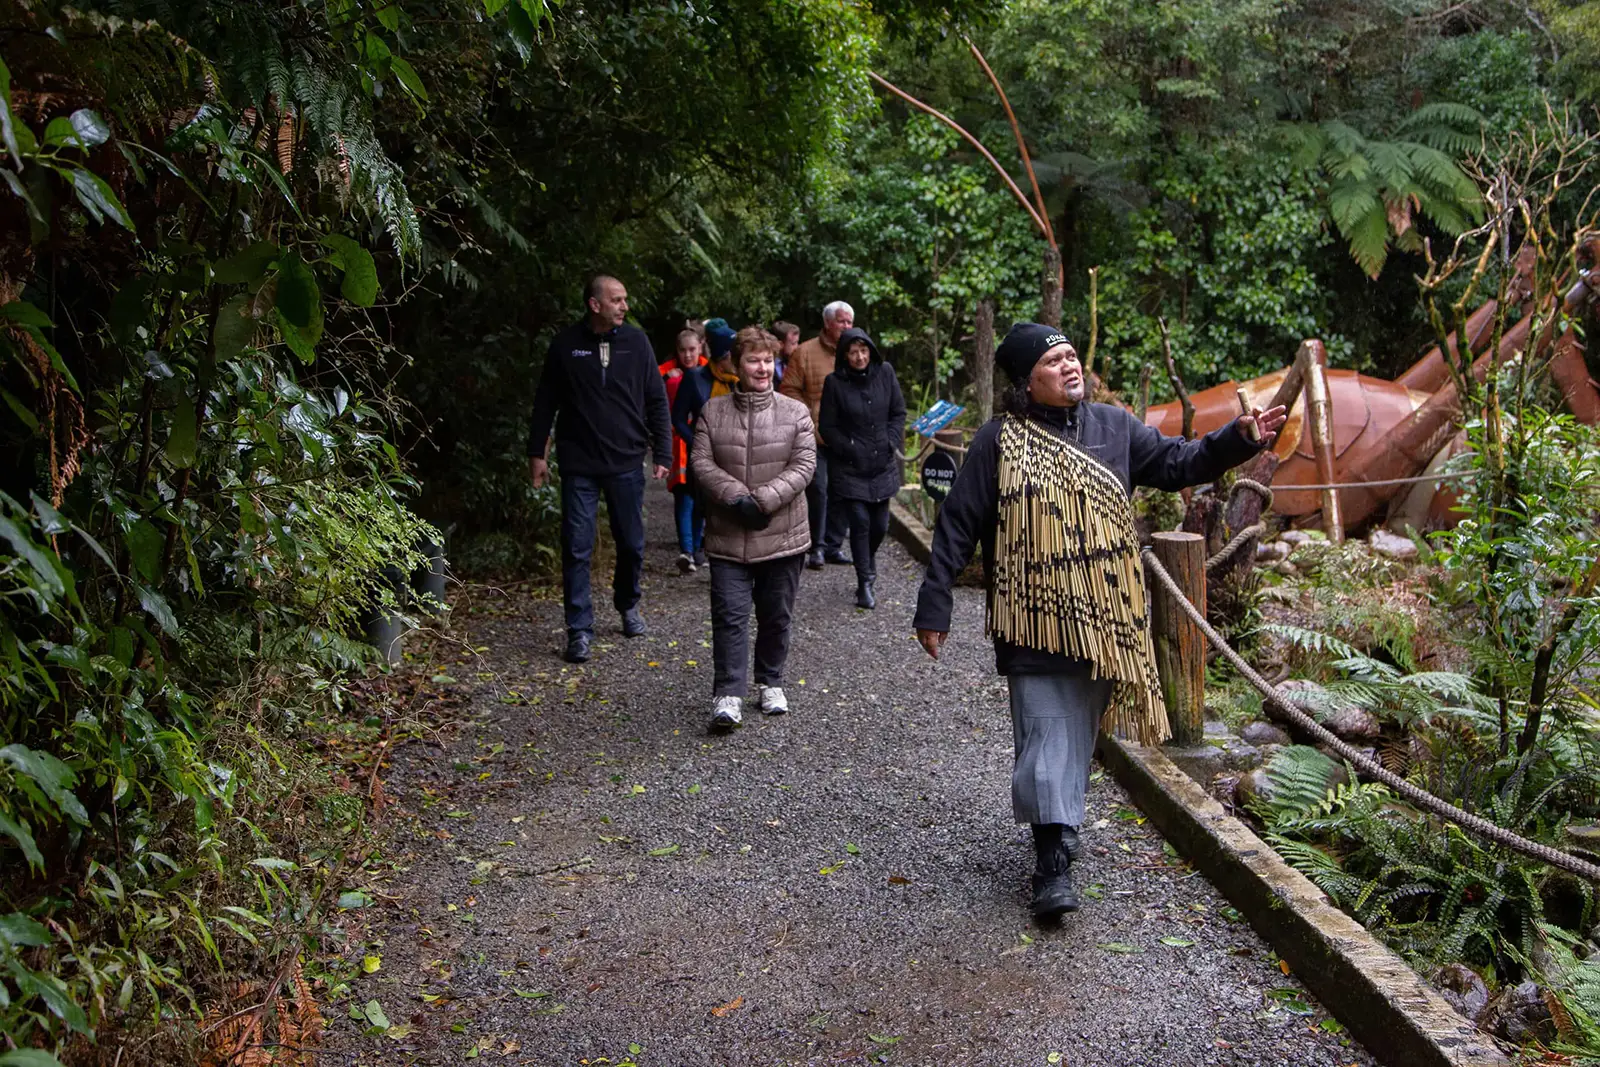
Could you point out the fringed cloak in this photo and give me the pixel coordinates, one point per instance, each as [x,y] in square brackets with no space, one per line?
[1067,575]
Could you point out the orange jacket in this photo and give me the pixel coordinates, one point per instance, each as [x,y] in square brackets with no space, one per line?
[672,375]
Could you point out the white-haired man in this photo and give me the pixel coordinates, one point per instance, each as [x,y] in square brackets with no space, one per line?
[808,367]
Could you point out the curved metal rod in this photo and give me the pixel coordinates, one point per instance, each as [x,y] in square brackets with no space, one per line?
[1022,198]
[1022,146]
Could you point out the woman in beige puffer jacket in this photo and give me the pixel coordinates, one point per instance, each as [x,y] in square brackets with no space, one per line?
[754,454]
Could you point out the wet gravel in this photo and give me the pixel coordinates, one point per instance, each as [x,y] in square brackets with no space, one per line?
[580,874]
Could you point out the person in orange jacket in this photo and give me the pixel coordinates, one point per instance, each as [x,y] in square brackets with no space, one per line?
[691,523]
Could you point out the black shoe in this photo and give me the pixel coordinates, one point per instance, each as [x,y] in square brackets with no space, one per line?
[700,559]
[836,556]
[577,647]
[1053,894]
[864,597]
[633,624]
[814,559]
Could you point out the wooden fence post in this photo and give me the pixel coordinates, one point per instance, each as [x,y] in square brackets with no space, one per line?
[1319,416]
[1180,646]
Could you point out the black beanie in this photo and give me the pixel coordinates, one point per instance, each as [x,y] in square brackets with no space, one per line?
[1024,345]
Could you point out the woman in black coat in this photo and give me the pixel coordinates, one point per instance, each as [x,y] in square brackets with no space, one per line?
[863,423]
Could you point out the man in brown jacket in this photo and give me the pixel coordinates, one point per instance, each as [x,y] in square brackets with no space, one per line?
[810,365]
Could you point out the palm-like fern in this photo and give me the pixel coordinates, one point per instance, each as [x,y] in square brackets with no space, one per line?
[1375,186]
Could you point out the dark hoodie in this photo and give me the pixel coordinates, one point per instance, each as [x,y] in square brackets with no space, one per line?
[863,422]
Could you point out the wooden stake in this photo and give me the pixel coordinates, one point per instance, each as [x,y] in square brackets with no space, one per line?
[1180,646]
[1319,413]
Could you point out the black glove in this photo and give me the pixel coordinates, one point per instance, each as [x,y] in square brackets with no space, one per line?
[750,513]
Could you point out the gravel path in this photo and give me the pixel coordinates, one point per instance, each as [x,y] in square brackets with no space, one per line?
[582,875]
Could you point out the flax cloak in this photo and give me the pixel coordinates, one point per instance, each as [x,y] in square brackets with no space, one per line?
[1067,576]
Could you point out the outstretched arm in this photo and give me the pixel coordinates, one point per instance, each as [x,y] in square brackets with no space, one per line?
[1172,463]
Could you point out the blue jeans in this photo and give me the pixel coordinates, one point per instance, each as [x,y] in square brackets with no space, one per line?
[691,520]
[580,508]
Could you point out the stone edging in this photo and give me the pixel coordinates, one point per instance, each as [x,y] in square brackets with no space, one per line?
[1386,1006]
[1382,1001]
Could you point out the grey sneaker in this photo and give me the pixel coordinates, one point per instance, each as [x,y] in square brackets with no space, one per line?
[725,713]
[772,700]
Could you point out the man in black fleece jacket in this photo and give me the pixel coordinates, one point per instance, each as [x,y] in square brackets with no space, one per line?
[604,394]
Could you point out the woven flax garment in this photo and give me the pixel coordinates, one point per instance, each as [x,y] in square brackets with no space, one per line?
[1067,573]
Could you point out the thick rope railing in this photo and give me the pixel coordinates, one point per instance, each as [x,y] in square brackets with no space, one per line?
[1474,824]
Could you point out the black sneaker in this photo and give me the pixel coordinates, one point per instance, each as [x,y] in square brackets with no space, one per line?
[633,624]
[700,559]
[577,647]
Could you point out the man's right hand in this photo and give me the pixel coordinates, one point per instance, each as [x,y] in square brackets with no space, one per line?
[539,471]
[931,641]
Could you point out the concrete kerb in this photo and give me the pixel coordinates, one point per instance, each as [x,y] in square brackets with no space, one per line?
[1385,1005]
[909,531]
[1372,991]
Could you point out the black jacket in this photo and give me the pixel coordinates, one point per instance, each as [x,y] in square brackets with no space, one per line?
[863,423]
[1137,454]
[609,417]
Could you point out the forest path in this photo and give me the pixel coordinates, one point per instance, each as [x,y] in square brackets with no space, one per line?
[588,877]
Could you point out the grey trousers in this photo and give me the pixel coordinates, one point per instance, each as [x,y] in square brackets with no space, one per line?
[1055,719]
[771,586]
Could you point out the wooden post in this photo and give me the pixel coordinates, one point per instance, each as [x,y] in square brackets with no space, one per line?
[1180,646]
[1319,413]
[983,357]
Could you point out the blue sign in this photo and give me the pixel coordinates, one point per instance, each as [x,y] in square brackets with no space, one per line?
[937,418]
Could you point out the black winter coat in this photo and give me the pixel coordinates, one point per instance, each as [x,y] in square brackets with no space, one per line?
[863,424]
[607,418]
[1137,454]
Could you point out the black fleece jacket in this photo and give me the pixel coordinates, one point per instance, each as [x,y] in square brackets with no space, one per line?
[607,418]
[1137,454]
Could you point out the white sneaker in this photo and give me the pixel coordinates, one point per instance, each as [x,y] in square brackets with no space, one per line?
[772,700]
[725,713]
[685,563]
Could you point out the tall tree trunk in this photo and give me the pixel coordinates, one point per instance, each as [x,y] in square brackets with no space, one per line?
[1050,306]
[983,357]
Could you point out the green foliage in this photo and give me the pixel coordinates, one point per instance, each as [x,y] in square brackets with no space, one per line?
[1374,186]
[1430,890]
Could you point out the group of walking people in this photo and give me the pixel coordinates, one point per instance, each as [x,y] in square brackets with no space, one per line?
[765,475]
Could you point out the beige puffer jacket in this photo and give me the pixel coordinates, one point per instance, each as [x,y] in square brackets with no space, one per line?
[760,445]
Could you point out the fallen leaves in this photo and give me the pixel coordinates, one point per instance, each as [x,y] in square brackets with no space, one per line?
[722,1011]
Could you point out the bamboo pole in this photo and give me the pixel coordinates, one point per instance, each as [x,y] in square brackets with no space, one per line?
[1179,644]
[1319,413]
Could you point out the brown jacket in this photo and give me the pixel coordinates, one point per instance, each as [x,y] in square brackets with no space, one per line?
[759,445]
[808,368]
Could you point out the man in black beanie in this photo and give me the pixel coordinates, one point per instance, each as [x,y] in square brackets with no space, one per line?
[1045,491]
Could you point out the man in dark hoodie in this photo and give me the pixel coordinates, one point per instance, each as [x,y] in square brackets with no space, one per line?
[863,422]
[601,390]
[1044,490]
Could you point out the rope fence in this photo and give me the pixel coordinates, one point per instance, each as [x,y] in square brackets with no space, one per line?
[1368,768]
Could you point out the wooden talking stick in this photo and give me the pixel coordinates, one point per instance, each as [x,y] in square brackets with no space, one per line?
[1251,430]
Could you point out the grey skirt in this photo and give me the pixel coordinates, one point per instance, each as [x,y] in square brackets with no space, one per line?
[1055,719]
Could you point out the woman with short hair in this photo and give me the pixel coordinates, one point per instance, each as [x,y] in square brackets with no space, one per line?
[753,456]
